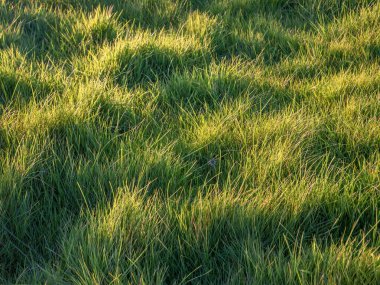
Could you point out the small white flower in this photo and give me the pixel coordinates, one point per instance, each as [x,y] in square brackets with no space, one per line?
[212,162]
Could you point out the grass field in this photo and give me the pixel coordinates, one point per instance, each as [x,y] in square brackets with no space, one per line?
[190,142]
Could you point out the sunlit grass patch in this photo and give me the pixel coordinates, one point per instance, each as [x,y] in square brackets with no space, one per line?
[189,142]
[147,58]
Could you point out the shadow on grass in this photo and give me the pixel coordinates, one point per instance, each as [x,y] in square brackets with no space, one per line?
[69,177]
[43,34]
[78,166]
[204,239]
[151,63]
[338,147]
[75,169]
[19,90]
[49,35]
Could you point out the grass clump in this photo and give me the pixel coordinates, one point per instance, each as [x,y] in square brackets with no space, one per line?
[189,142]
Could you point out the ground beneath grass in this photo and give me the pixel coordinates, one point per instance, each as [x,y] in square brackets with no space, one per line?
[190,142]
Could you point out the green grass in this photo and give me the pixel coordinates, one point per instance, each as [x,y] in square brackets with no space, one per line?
[190,142]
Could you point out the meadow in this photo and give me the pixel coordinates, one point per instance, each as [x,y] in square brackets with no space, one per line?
[189,142]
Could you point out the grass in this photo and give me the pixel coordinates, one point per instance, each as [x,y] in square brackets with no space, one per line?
[189,142]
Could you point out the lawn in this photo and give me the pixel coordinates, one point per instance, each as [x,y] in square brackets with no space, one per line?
[190,142]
